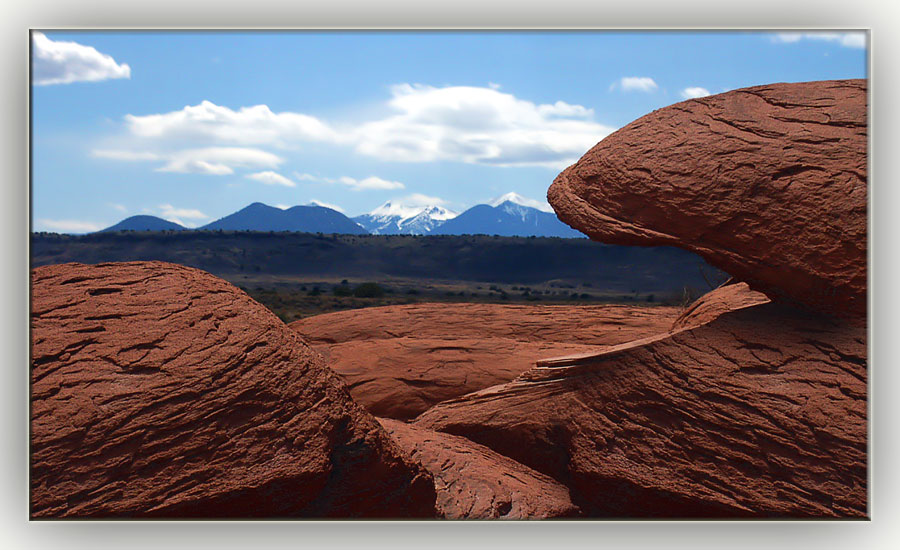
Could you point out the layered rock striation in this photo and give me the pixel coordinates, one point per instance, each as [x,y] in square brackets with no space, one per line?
[759,413]
[768,183]
[162,391]
[474,482]
[742,407]
[399,361]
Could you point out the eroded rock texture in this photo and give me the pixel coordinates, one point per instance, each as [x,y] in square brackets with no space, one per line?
[761,412]
[767,183]
[474,482]
[718,302]
[160,390]
[398,361]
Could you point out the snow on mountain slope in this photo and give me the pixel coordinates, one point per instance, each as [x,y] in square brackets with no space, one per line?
[516,198]
[394,217]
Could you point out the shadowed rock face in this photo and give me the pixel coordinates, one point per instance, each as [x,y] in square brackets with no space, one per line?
[399,361]
[162,391]
[761,412]
[474,482]
[767,183]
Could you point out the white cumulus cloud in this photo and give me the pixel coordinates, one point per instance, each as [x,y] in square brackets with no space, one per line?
[129,156]
[479,126]
[69,226]
[418,199]
[455,123]
[55,62]
[635,84]
[178,215]
[271,178]
[369,183]
[846,39]
[167,211]
[256,125]
[694,92]
[218,161]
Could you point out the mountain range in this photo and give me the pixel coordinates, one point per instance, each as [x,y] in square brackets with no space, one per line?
[510,215]
[393,218]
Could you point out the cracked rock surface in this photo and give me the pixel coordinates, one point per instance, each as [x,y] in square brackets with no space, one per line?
[767,183]
[759,413]
[398,361]
[162,391]
[474,482]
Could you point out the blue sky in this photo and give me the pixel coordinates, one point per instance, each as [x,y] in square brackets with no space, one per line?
[193,126]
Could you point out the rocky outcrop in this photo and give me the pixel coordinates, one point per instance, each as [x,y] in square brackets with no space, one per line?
[161,391]
[399,361]
[759,413]
[767,183]
[718,302]
[474,482]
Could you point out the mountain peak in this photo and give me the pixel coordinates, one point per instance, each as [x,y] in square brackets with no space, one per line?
[393,208]
[394,217]
[516,198]
[144,222]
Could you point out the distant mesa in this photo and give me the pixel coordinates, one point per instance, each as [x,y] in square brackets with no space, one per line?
[144,223]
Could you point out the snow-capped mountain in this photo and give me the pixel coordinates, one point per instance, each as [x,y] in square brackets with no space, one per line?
[511,215]
[394,218]
[518,199]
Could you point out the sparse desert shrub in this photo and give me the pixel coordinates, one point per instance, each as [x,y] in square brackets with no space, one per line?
[368,290]
[342,290]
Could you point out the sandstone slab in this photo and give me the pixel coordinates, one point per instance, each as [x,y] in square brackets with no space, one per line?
[768,183]
[718,302]
[161,391]
[399,361]
[474,482]
[759,413]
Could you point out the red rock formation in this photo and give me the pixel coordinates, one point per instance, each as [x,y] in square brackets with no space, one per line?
[720,301]
[761,412]
[398,361]
[162,391]
[474,482]
[767,183]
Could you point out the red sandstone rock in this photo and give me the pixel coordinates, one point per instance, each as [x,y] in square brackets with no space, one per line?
[713,304]
[398,361]
[761,412]
[767,183]
[162,391]
[474,482]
